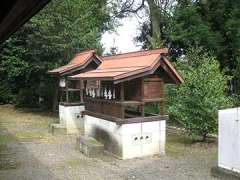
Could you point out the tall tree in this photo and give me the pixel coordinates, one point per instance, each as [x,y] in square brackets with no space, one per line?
[213,24]
[181,24]
[158,11]
[50,39]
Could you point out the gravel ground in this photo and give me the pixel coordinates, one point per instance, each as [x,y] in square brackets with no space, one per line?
[29,151]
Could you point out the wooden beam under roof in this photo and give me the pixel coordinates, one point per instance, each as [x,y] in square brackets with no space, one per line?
[14,13]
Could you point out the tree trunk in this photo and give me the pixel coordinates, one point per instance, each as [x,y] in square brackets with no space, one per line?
[155,19]
[204,137]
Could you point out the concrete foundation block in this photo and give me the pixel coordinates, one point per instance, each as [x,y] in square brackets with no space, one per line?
[89,146]
[58,129]
[71,118]
[229,139]
[128,141]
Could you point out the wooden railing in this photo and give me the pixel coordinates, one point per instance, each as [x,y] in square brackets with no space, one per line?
[102,106]
[119,109]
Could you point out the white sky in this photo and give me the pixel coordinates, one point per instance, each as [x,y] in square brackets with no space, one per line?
[123,36]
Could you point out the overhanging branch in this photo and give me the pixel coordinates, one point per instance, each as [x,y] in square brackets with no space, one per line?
[127,7]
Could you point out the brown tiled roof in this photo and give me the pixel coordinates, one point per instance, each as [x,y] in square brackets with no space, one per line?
[136,53]
[79,60]
[124,65]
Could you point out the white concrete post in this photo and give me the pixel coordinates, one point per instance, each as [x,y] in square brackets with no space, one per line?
[229,139]
[114,96]
[105,93]
[109,94]
[93,93]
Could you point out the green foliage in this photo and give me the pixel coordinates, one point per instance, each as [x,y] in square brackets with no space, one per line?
[153,108]
[195,103]
[189,28]
[27,97]
[5,93]
[214,25]
[48,40]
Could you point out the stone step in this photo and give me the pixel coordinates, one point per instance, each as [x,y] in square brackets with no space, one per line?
[58,129]
[89,146]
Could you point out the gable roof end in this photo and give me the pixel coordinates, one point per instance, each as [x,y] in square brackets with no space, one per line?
[78,62]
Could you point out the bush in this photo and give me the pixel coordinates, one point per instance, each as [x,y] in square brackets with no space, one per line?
[195,103]
[27,98]
[5,94]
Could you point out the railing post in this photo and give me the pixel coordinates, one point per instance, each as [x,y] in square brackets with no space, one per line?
[142,98]
[162,102]
[81,95]
[67,98]
[161,111]
[122,100]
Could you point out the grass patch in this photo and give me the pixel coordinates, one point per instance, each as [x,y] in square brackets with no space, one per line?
[177,144]
[93,141]
[28,136]
[7,138]
[49,139]
[3,147]
[6,164]
[73,163]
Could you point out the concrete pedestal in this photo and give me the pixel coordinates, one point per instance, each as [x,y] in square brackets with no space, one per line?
[128,140]
[70,117]
[229,139]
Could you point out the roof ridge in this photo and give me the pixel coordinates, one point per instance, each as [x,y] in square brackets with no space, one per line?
[85,52]
[135,54]
[118,67]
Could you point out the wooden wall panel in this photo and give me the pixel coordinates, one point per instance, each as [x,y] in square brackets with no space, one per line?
[111,109]
[133,89]
[153,87]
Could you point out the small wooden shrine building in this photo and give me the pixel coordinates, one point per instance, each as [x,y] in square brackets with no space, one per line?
[64,90]
[122,85]
[117,96]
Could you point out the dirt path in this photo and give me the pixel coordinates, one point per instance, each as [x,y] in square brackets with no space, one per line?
[29,151]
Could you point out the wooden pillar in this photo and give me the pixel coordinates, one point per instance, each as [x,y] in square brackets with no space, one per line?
[67,95]
[61,94]
[122,99]
[55,95]
[162,102]
[142,110]
[81,91]
[81,95]
[161,111]
[142,98]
